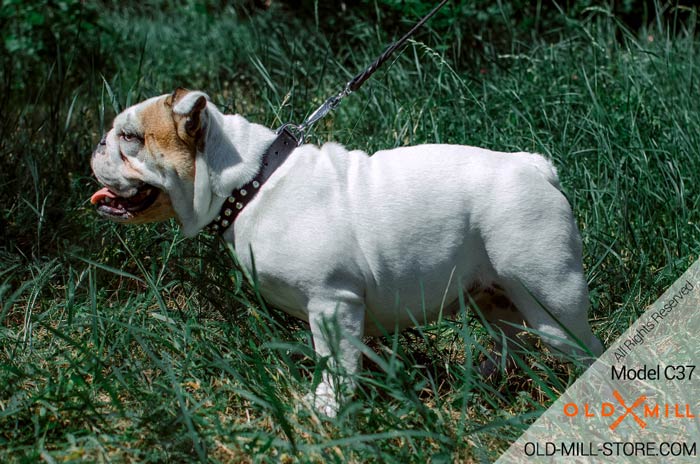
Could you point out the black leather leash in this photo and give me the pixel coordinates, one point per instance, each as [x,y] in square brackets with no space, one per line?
[357,81]
[287,140]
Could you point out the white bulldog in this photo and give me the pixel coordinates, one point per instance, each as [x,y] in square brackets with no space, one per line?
[357,244]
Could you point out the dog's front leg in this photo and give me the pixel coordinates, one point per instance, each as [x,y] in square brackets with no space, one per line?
[337,328]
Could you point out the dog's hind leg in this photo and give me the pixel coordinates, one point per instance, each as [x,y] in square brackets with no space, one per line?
[536,255]
[558,313]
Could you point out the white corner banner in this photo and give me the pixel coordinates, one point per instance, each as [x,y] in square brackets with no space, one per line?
[639,402]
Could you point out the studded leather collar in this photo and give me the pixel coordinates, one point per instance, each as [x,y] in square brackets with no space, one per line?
[274,156]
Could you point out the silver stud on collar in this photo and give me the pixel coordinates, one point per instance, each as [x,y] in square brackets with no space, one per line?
[256,184]
[224,223]
[243,192]
[231,199]
[218,218]
[239,205]
[227,212]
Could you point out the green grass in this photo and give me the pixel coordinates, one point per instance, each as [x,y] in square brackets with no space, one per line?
[133,344]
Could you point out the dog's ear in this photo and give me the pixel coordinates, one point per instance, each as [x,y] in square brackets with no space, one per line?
[189,113]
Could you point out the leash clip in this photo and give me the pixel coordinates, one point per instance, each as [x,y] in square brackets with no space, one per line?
[329,105]
[292,131]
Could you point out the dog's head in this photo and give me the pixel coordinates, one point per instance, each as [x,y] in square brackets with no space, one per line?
[175,156]
[148,158]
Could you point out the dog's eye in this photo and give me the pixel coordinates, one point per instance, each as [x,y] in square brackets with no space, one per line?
[128,137]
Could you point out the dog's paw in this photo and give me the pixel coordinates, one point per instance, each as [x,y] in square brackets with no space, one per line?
[324,400]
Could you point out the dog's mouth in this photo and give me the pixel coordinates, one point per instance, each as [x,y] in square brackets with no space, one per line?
[118,208]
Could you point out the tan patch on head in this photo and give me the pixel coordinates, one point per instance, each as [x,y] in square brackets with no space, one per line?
[162,140]
[176,96]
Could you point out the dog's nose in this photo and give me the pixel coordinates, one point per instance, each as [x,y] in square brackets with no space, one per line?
[101,147]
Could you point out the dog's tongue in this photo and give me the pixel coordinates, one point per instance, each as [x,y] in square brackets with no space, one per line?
[101,195]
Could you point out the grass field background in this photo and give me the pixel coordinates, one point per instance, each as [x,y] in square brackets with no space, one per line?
[133,344]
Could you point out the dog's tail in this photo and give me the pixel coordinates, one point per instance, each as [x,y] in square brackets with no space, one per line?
[545,167]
